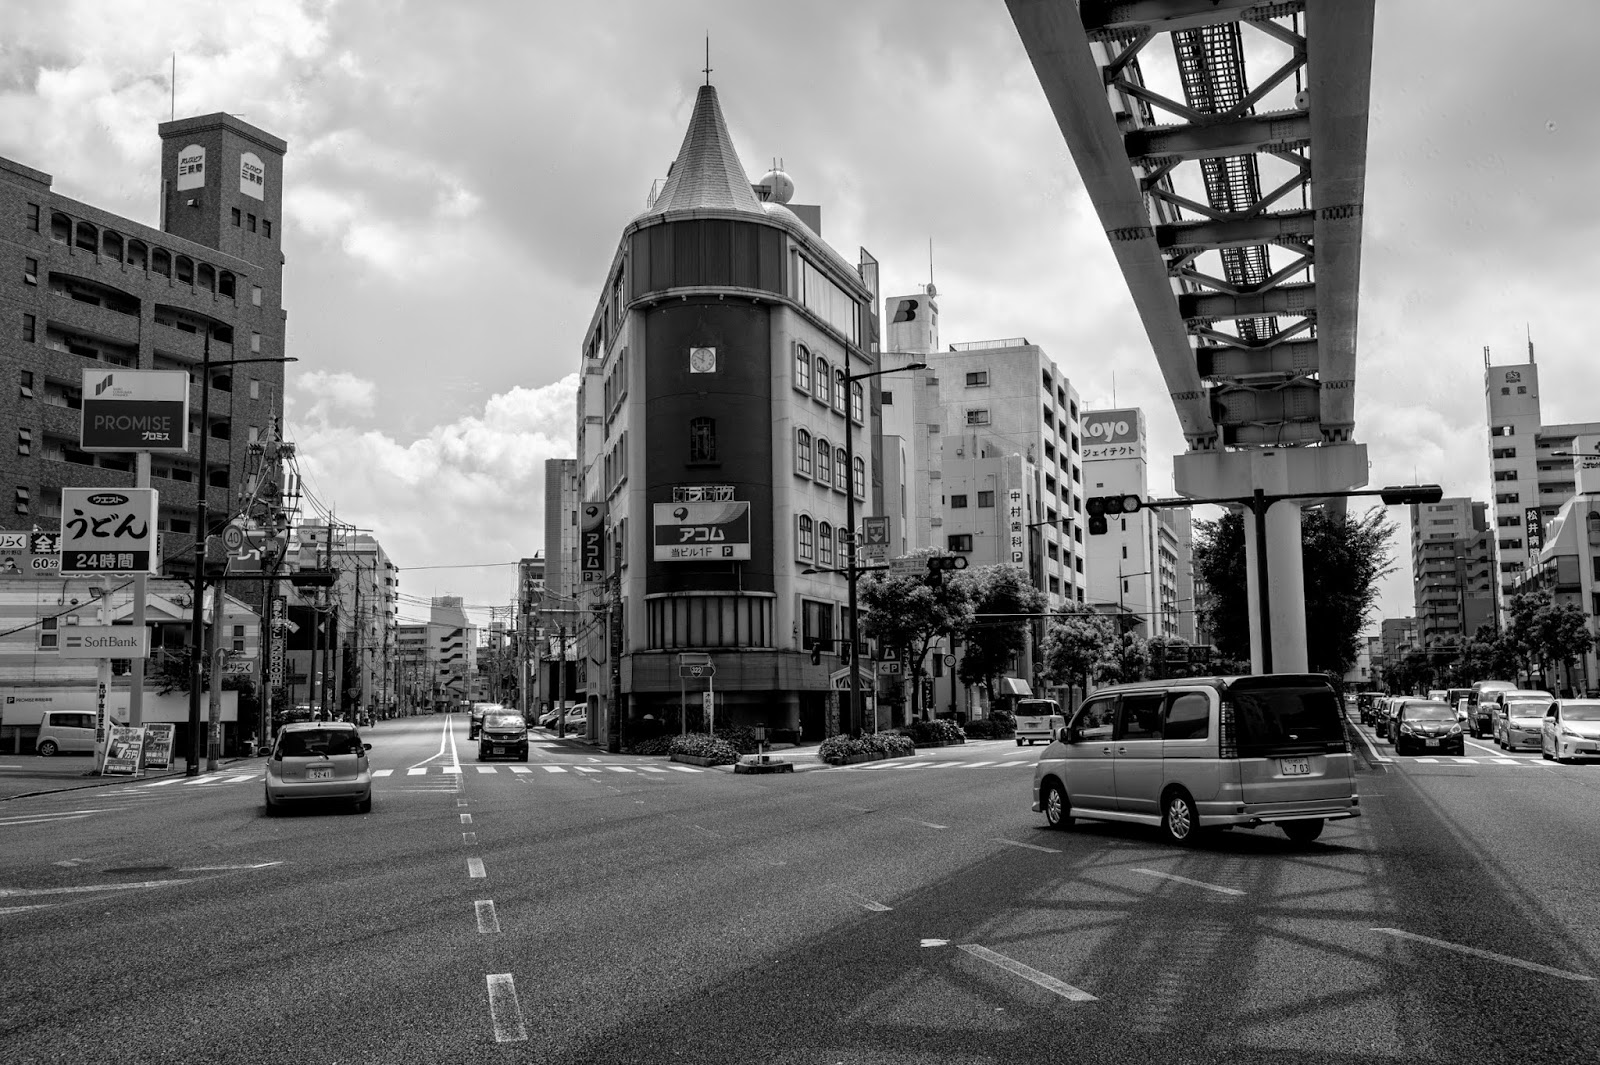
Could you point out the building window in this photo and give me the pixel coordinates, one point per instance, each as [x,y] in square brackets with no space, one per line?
[961,542]
[824,461]
[255,295]
[861,479]
[30,271]
[23,499]
[1505,475]
[1504,453]
[255,342]
[802,368]
[985,499]
[803,538]
[25,390]
[255,389]
[250,222]
[24,442]
[266,228]
[237,216]
[816,624]
[841,467]
[958,502]
[978,379]
[1522,390]
[33,218]
[838,391]
[888,399]
[27,328]
[824,544]
[802,453]
[977,417]
[1505,391]
[702,440]
[823,380]
[858,404]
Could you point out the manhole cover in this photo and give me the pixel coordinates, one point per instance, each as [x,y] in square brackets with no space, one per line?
[141,869]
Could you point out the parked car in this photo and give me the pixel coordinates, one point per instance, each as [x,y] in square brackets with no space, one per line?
[65,732]
[475,717]
[1479,719]
[1380,717]
[1366,707]
[503,735]
[1391,714]
[319,761]
[578,718]
[1571,730]
[1428,726]
[1517,717]
[1203,752]
[1038,720]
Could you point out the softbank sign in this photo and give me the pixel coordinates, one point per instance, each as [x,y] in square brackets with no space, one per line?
[1113,434]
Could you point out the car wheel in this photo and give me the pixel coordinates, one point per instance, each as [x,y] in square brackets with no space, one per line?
[365,805]
[47,749]
[272,807]
[1303,831]
[1179,819]
[1019,741]
[1057,809]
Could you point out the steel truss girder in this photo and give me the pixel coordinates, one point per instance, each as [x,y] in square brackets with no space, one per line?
[1299,300]
[1236,233]
[1279,131]
[1290,359]
[1103,18]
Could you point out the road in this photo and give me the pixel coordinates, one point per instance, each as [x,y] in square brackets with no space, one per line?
[586,910]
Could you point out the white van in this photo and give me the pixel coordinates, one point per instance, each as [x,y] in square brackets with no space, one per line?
[65,732]
[1038,720]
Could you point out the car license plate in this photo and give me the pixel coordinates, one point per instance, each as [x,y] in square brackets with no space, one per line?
[320,773]
[497,750]
[1296,767]
[1433,743]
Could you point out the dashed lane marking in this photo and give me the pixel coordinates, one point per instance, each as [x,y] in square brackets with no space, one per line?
[488,920]
[520,769]
[504,1010]
[475,868]
[924,824]
[466,819]
[1033,976]
[382,772]
[1029,846]
[415,772]
[554,768]
[1489,954]
[1218,888]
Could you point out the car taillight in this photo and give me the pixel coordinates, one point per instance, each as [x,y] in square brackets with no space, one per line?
[1227,742]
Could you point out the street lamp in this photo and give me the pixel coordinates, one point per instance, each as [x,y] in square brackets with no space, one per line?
[853,571]
[201,535]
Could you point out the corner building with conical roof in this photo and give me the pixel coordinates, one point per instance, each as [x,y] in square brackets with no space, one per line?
[712,417]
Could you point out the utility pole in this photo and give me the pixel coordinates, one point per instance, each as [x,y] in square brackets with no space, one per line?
[361,669]
[214,717]
[561,681]
[327,563]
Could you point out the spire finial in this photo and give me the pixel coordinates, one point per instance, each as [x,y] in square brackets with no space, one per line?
[708,59]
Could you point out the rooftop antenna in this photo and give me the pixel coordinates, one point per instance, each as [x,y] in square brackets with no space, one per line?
[1530,341]
[1486,356]
[1113,388]
[708,59]
[174,112]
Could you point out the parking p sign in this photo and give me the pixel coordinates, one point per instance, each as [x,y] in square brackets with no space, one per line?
[108,530]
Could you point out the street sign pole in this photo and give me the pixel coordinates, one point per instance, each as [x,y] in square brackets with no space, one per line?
[141,465]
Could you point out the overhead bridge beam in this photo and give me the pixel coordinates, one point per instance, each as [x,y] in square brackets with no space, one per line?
[1278,132]
[1284,299]
[1290,357]
[1102,17]
[1242,233]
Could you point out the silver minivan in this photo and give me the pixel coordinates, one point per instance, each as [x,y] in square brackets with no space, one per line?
[65,732]
[1203,752]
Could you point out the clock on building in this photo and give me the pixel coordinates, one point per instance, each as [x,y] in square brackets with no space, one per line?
[702,360]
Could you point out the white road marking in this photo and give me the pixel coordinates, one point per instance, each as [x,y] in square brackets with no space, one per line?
[82,889]
[445,740]
[1481,747]
[227,868]
[875,907]
[48,816]
[42,821]
[554,768]
[1427,761]
[475,868]
[652,769]
[1193,883]
[469,837]
[461,802]
[1466,761]
[1504,761]
[707,831]
[684,769]
[504,1011]
[4,910]
[619,769]
[586,769]
[1030,846]
[466,819]
[520,769]
[1477,953]
[974,765]
[1002,765]
[936,942]
[452,770]
[1033,976]
[488,920]
[382,772]
[161,783]
[488,769]
[924,824]
[415,772]
[243,777]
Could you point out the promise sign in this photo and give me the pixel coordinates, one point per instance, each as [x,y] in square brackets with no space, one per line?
[135,410]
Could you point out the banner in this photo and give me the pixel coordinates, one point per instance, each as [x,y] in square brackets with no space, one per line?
[123,749]
[158,746]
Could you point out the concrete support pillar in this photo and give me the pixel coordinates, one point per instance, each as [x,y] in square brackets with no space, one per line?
[1287,603]
[1252,570]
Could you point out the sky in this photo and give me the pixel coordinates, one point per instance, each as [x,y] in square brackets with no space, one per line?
[458,177]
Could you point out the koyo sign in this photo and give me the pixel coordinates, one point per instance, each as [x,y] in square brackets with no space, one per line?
[1111,426]
[1107,431]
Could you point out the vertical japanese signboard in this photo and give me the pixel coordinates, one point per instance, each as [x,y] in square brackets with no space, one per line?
[108,530]
[277,636]
[1014,518]
[592,542]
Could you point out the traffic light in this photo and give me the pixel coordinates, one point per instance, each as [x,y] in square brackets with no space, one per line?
[816,653]
[1097,515]
[937,564]
[1128,504]
[312,578]
[1411,493]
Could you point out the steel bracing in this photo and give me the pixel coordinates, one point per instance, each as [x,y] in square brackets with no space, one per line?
[1228,172]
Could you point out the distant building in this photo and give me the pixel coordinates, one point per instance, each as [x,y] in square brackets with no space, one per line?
[562,491]
[1567,566]
[1452,570]
[362,605]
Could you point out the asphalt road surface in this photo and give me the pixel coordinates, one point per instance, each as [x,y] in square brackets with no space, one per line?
[599,908]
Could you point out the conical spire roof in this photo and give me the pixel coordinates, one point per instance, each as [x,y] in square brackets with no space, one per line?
[707,172]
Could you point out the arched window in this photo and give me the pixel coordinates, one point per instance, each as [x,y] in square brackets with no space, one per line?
[803,538]
[802,453]
[824,544]
[822,380]
[841,469]
[824,461]
[702,440]
[858,406]
[111,245]
[138,254]
[205,278]
[88,238]
[60,228]
[861,479]
[838,391]
[802,368]
[161,262]
[185,270]
[225,284]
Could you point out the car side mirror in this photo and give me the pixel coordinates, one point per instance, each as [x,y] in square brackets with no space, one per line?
[366,746]
[1067,735]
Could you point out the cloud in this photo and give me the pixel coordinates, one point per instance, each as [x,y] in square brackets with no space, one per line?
[335,393]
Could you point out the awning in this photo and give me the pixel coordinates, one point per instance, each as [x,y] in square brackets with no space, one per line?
[1014,686]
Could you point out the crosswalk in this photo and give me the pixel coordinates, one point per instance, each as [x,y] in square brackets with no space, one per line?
[520,770]
[1469,760]
[889,763]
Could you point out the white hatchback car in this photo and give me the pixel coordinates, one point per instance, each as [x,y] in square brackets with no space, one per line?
[1571,730]
[319,761]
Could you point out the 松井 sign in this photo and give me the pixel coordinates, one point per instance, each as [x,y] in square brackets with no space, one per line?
[108,530]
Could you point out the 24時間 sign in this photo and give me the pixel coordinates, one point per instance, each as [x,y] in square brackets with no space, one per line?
[702,532]
[108,530]
[135,410]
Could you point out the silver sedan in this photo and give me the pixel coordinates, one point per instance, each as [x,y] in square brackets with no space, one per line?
[1572,730]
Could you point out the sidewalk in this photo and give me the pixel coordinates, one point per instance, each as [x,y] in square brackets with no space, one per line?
[23,776]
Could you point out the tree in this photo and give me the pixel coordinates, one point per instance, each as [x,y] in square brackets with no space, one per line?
[1073,643]
[1562,631]
[1169,657]
[1126,659]
[1346,559]
[995,640]
[907,613]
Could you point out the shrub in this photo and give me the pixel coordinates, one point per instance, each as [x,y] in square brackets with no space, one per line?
[981,729]
[835,750]
[740,737]
[1005,722]
[936,731]
[654,745]
[698,744]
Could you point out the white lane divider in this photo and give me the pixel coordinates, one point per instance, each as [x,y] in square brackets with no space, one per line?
[382,772]
[619,769]
[875,907]
[586,769]
[1218,888]
[81,889]
[466,819]
[652,769]
[161,783]
[1033,976]
[504,1010]
[1477,953]
[554,768]
[475,868]
[1029,846]
[452,770]
[974,765]
[488,920]
[469,837]
[520,769]
[416,772]
[1376,757]
[487,769]
[924,824]
[684,769]
[1020,761]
